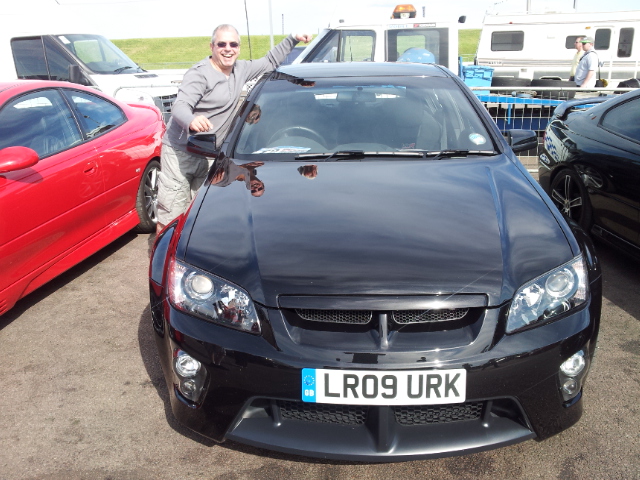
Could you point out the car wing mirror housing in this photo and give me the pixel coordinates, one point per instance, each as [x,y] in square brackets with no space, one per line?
[521,140]
[75,74]
[17,158]
[202,144]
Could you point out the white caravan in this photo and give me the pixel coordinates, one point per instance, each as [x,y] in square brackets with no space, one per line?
[535,45]
[87,59]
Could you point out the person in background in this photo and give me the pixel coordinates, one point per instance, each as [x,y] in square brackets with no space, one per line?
[587,66]
[206,102]
[576,58]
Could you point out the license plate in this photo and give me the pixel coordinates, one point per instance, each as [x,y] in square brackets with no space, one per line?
[400,387]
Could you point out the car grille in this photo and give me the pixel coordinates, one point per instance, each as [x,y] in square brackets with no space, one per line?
[164,104]
[357,414]
[323,413]
[358,317]
[429,414]
[362,317]
[427,316]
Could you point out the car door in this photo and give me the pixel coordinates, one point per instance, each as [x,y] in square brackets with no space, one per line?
[617,203]
[121,151]
[52,207]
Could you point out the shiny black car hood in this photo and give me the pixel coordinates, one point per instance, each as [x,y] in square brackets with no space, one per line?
[393,227]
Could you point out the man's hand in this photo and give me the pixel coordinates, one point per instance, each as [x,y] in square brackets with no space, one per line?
[200,124]
[303,37]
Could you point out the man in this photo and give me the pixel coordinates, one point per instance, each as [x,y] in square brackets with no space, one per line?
[206,102]
[587,66]
[576,58]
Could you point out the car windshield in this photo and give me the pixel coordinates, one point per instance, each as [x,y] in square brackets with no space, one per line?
[292,117]
[99,54]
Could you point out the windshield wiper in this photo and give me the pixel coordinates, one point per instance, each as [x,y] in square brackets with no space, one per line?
[355,154]
[460,153]
[122,69]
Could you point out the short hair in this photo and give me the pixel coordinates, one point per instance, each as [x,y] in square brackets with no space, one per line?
[223,27]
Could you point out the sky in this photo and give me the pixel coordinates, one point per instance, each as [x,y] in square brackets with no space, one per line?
[118,19]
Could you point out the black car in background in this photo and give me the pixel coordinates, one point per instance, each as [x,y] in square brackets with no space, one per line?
[590,166]
[369,273]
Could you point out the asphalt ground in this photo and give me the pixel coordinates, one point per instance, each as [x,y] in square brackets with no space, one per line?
[82,394]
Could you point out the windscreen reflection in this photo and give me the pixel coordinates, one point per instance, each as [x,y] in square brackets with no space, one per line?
[390,114]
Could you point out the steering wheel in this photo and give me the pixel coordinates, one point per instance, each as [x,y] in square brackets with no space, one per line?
[304,132]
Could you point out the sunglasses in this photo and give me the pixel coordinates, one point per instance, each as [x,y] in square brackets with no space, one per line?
[224,44]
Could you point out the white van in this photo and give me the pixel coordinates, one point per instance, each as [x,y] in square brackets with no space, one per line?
[535,45]
[87,59]
[386,40]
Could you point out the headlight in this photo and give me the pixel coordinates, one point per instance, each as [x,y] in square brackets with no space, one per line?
[549,295]
[209,297]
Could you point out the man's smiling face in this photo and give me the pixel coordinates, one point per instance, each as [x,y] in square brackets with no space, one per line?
[225,50]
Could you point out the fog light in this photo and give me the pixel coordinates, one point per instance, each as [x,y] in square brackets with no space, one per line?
[189,376]
[571,387]
[574,365]
[189,387]
[185,365]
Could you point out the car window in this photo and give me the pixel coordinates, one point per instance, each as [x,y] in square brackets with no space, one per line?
[28,54]
[357,46]
[345,46]
[97,116]
[327,51]
[40,120]
[434,40]
[624,119]
[57,61]
[387,114]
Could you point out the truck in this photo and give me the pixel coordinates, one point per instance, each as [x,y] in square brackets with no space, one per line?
[87,59]
[532,46]
[386,40]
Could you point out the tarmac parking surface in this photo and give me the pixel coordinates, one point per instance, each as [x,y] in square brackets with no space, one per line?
[83,396]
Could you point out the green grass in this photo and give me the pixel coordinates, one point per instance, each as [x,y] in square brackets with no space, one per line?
[185,51]
[468,43]
[155,53]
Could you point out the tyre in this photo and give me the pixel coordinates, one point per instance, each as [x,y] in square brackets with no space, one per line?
[569,194]
[510,82]
[147,198]
[631,83]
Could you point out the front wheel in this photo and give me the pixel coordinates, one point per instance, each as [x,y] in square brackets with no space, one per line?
[147,198]
[569,194]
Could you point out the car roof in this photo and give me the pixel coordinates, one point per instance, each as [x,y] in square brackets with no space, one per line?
[35,84]
[364,69]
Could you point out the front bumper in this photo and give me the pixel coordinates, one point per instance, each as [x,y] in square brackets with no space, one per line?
[253,391]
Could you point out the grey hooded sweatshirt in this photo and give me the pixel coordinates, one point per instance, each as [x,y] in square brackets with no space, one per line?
[206,91]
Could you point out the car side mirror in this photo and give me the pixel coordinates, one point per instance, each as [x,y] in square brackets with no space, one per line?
[521,140]
[75,74]
[202,144]
[17,158]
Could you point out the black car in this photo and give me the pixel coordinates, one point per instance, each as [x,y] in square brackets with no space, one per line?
[369,273]
[590,166]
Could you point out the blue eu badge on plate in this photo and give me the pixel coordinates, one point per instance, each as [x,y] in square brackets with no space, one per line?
[309,385]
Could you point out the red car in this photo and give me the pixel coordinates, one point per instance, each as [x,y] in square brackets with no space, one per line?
[77,170]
